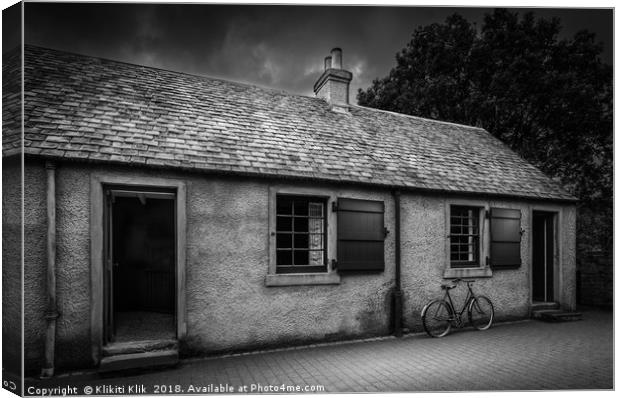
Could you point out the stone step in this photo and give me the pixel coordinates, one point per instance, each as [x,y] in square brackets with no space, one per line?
[556,315]
[139,360]
[538,314]
[133,347]
[545,306]
[561,316]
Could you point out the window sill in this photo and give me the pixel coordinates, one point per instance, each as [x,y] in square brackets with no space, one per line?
[327,278]
[468,272]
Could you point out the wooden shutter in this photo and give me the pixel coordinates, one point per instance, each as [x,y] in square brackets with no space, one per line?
[360,235]
[505,238]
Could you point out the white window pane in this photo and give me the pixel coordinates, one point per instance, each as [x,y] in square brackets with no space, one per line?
[315,209]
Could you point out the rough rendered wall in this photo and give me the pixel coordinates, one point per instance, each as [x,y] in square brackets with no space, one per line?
[228,305]
[229,308]
[11,266]
[424,262]
[35,263]
[72,266]
[424,259]
[568,264]
[12,141]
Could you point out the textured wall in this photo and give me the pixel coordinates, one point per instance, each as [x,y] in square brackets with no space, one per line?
[568,263]
[35,263]
[228,305]
[424,259]
[72,266]
[11,265]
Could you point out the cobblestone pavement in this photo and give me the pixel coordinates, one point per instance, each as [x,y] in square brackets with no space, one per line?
[528,355]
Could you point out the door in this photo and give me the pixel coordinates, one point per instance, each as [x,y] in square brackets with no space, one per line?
[543,258]
[140,265]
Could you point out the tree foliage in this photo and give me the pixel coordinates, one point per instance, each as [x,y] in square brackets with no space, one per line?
[548,99]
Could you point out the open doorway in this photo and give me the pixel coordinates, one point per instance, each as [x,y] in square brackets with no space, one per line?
[543,257]
[139,282]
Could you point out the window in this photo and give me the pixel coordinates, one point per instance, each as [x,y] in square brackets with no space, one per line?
[300,234]
[314,236]
[464,236]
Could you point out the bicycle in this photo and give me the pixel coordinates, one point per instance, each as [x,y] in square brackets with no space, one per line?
[439,315]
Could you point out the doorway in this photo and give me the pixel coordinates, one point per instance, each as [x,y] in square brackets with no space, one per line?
[543,256]
[140,265]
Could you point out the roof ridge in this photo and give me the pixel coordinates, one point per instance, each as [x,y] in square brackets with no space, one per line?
[234,82]
[250,85]
[168,70]
[419,117]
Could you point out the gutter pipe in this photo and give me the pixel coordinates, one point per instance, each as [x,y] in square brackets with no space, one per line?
[398,294]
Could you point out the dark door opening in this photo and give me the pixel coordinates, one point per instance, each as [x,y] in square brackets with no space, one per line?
[140,279]
[543,241]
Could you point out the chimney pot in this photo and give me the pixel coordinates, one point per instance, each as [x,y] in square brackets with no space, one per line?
[336,58]
[328,62]
[333,84]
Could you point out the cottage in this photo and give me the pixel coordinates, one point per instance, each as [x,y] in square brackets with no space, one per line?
[167,215]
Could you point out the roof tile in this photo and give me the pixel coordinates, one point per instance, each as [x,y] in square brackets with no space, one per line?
[113,111]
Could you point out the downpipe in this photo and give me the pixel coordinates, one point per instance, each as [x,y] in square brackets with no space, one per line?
[397,294]
[52,312]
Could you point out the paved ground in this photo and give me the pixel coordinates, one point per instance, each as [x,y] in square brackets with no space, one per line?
[528,355]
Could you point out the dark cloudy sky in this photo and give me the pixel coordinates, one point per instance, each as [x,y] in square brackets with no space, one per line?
[273,46]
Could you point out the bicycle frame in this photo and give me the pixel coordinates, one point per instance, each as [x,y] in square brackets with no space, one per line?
[456,317]
[440,315]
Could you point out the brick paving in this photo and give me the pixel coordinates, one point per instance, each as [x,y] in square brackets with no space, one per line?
[528,355]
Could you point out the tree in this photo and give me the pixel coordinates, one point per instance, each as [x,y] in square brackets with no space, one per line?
[548,99]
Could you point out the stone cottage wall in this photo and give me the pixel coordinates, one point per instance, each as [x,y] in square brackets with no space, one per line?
[11,265]
[229,307]
[35,260]
[424,236]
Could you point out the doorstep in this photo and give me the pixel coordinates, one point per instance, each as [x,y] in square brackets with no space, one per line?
[552,312]
[139,354]
[544,305]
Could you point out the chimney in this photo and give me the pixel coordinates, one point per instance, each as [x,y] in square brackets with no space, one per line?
[333,85]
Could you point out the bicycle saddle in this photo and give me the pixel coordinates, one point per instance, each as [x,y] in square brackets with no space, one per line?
[447,287]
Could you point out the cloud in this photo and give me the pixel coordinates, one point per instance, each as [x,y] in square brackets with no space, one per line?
[144,47]
[313,68]
[282,47]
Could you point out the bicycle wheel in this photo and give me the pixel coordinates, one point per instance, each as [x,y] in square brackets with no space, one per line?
[436,318]
[481,312]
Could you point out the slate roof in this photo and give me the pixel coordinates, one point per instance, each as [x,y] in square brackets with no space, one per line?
[85,108]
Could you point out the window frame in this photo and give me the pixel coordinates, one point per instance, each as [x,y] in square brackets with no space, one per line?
[474,269]
[292,269]
[476,246]
[327,276]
